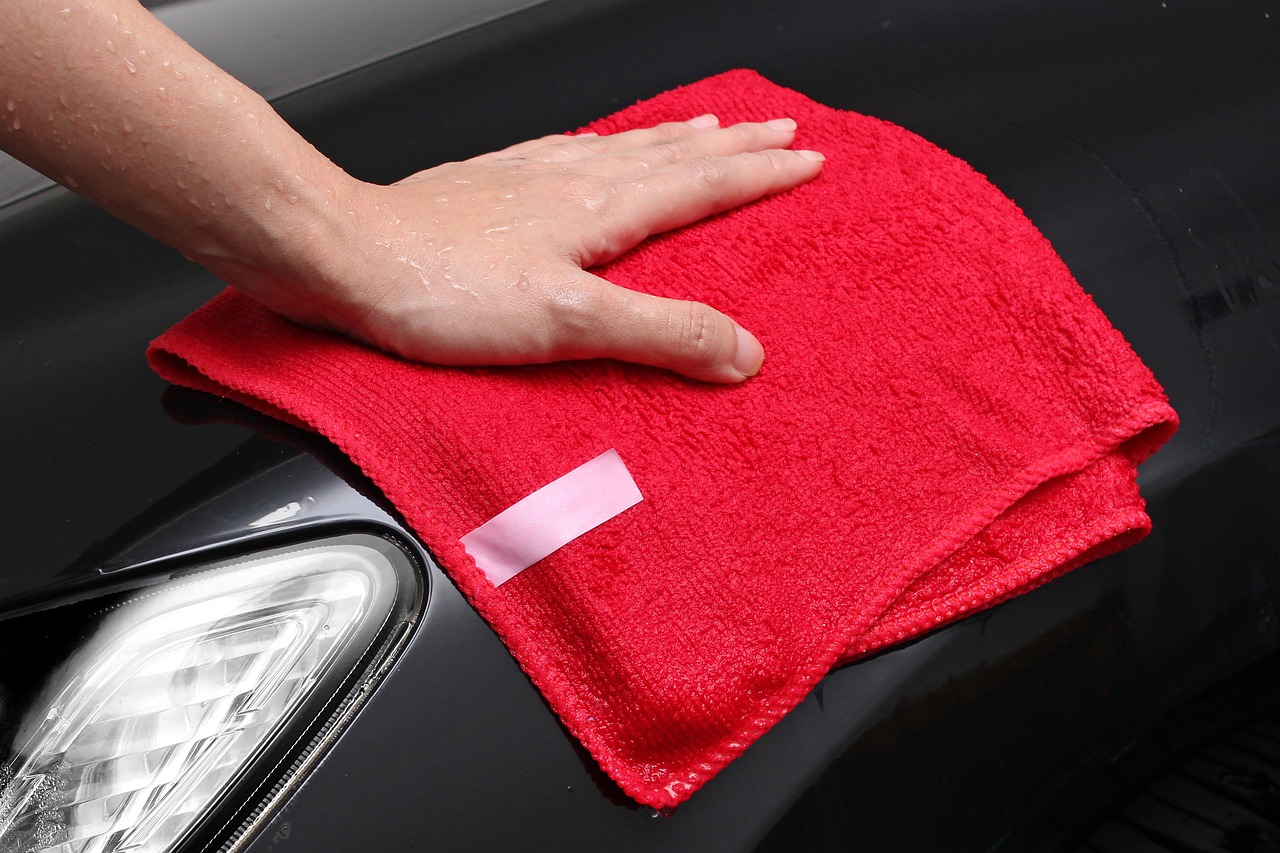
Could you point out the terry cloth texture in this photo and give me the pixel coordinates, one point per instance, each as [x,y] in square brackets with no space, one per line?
[944,420]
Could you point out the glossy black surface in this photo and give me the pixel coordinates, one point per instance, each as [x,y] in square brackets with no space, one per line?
[1139,137]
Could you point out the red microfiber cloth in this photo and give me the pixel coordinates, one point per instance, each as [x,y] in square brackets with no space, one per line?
[944,420]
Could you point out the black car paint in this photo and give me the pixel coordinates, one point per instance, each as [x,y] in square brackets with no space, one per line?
[1139,137]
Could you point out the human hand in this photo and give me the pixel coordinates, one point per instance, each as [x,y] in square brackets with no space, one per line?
[480,262]
[483,261]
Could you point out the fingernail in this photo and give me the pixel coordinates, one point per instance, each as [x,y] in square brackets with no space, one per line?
[707,120]
[816,156]
[750,355]
[783,124]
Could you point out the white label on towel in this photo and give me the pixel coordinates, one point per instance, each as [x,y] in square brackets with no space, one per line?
[552,517]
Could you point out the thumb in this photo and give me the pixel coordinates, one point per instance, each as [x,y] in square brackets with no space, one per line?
[690,338]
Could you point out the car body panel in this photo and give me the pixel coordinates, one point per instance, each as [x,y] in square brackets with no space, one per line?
[1139,138]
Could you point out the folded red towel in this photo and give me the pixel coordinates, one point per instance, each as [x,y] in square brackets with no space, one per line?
[944,420]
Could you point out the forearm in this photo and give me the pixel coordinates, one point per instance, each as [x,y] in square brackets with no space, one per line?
[102,97]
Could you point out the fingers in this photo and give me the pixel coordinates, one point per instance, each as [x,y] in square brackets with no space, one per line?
[692,339]
[695,189]
[656,150]
[633,152]
[629,211]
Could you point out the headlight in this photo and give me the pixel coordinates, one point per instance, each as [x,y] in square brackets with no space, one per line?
[154,705]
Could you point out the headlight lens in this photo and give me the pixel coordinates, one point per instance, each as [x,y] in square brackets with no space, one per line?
[174,691]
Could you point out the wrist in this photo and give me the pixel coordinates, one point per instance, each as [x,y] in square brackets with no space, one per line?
[288,243]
